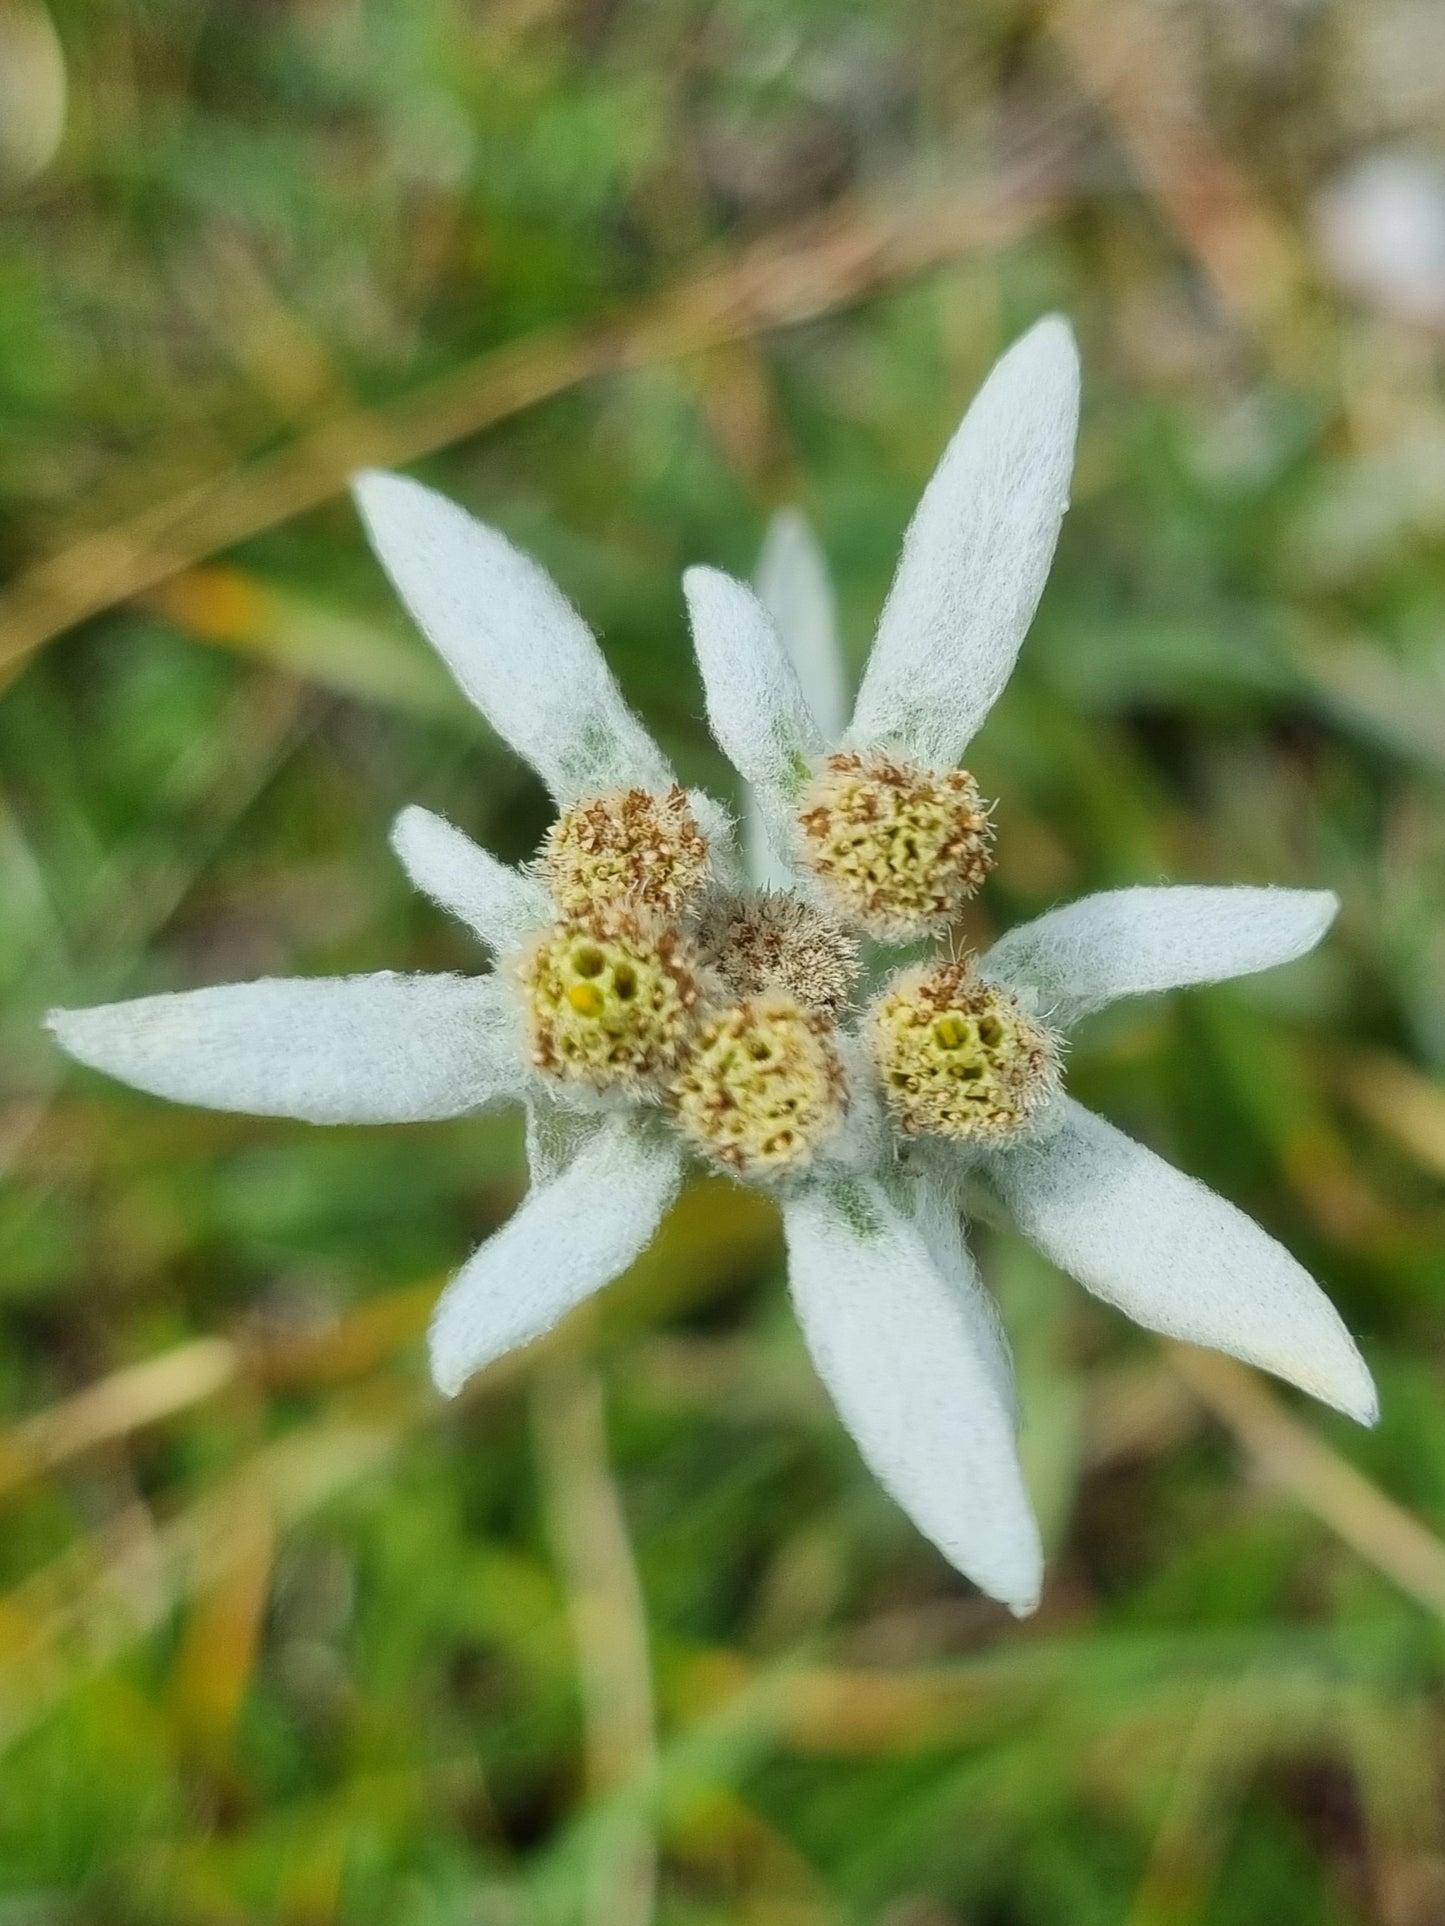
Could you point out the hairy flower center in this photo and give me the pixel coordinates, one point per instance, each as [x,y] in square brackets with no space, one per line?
[898,850]
[634,849]
[773,941]
[761,1089]
[609,1000]
[959,1057]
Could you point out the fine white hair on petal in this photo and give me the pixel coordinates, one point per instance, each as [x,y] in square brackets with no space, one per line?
[1175,1257]
[901,1336]
[794,586]
[347,1049]
[975,557]
[571,1236]
[512,640]
[1127,942]
[722,839]
[555,1135]
[755,703]
[499,904]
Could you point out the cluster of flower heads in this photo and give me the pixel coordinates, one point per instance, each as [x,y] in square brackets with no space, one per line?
[651,985]
[659,1000]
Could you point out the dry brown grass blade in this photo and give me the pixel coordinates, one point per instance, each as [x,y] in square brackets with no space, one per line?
[127,1400]
[1132,64]
[1383,1533]
[222,1637]
[609,1626]
[1190,1844]
[1404,1104]
[809,270]
[78,1614]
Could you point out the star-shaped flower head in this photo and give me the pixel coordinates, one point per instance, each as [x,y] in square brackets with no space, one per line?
[648,1010]
[967,1054]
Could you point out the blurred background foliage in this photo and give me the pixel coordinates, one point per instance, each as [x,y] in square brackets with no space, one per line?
[628,1635]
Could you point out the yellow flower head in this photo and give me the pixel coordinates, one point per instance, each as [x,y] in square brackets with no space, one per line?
[609,1000]
[958,1057]
[897,849]
[761,1089]
[637,850]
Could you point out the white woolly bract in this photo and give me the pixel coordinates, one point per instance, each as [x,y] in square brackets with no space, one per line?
[905,1341]
[1127,942]
[975,557]
[499,904]
[1176,1258]
[511,639]
[755,704]
[794,587]
[351,1049]
[572,1235]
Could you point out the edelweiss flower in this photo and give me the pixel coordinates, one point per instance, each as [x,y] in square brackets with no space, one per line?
[968,1054]
[646,1007]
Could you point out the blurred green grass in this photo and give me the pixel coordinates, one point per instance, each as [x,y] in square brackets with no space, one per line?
[628,1633]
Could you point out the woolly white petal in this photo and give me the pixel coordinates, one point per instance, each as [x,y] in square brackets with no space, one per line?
[904,1341]
[349,1049]
[1176,1258]
[570,1237]
[499,903]
[755,703]
[976,556]
[1125,942]
[511,639]
[794,587]
[555,1135]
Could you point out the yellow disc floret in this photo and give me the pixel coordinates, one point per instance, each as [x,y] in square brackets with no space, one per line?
[774,941]
[958,1057]
[898,849]
[609,1000]
[761,1088]
[636,850]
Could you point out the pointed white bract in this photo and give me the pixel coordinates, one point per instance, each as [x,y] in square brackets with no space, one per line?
[794,587]
[755,703]
[975,557]
[512,640]
[499,904]
[910,1353]
[1176,1258]
[570,1237]
[352,1049]
[1126,942]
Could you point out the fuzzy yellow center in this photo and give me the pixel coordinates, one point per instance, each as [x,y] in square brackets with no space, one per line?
[638,850]
[761,1089]
[898,850]
[958,1057]
[608,1001]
